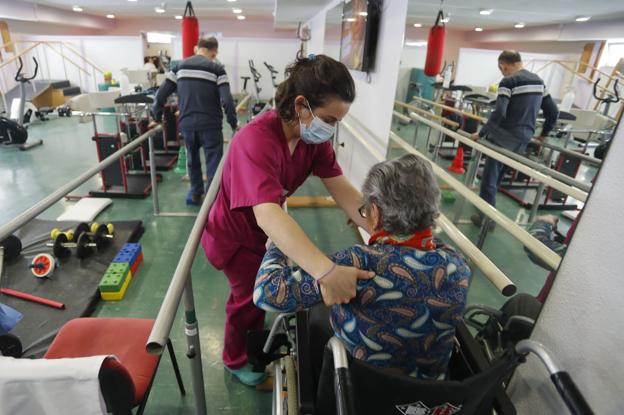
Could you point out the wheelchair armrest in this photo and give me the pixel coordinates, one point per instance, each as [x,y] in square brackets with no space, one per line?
[474,310]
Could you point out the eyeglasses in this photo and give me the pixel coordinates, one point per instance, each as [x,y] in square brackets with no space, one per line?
[362,211]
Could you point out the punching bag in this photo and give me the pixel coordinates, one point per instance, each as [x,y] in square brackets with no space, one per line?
[190,31]
[435,47]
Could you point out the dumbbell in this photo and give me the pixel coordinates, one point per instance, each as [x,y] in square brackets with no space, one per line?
[11,246]
[42,265]
[56,232]
[62,247]
[101,234]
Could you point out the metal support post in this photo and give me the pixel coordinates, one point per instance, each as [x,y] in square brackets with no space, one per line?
[191,330]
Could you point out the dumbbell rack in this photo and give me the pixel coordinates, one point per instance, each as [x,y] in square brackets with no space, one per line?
[128,176]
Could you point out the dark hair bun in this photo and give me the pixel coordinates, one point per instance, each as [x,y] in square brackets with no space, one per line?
[318,78]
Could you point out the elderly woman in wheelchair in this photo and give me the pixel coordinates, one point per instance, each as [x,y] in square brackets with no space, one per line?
[404,318]
[400,345]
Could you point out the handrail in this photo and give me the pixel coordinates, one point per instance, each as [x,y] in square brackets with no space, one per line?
[487,267]
[428,114]
[529,171]
[58,194]
[446,107]
[164,321]
[535,246]
[62,55]
[22,53]
[242,103]
[67,45]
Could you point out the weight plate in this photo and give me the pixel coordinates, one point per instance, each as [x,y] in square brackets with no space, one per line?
[42,265]
[80,229]
[82,248]
[12,247]
[59,250]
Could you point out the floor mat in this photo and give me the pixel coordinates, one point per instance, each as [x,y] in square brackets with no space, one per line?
[74,283]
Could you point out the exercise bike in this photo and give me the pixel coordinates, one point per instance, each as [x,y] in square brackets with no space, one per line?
[273,73]
[14,132]
[258,106]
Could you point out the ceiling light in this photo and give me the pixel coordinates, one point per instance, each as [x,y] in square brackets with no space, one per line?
[363,14]
[159,9]
[240,17]
[237,11]
[110,16]
[417,24]
[478,29]
[519,25]
[77,8]
[583,18]
[350,19]
[231,1]
[485,12]
[134,1]
[419,43]
[178,17]
[445,20]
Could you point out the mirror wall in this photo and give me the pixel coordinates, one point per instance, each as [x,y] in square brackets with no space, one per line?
[580,77]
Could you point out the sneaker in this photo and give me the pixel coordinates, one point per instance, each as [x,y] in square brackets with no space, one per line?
[247,376]
[477,220]
[193,199]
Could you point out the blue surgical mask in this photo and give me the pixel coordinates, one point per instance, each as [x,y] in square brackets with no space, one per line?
[317,132]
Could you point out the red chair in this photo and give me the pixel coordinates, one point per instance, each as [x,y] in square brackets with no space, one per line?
[125,382]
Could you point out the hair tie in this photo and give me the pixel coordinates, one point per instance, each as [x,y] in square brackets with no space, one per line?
[311,56]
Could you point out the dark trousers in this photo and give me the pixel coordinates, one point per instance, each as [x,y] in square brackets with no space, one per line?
[492,176]
[212,143]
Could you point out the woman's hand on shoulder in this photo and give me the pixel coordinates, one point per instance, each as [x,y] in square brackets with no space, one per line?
[339,286]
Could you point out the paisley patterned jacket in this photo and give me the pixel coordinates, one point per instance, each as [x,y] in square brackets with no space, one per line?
[402,320]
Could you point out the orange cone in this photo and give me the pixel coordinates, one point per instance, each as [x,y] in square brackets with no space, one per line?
[457,166]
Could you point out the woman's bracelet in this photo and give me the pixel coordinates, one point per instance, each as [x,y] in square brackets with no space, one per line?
[329,271]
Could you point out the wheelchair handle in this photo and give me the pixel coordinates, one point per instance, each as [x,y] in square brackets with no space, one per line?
[343,387]
[567,389]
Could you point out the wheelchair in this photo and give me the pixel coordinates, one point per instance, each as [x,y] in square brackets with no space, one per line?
[343,385]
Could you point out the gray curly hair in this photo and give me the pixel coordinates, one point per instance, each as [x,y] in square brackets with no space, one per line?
[406,193]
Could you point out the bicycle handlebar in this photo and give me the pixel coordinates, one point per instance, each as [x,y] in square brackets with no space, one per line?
[610,98]
[21,78]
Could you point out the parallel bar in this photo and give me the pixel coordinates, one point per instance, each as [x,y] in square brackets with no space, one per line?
[242,103]
[489,269]
[564,178]
[402,117]
[58,194]
[446,107]
[164,321]
[529,171]
[427,114]
[571,153]
[535,246]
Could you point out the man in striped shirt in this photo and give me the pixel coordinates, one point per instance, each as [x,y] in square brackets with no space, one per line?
[521,95]
[203,89]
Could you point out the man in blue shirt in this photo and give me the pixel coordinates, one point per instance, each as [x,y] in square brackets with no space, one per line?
[521,95]
[203,89]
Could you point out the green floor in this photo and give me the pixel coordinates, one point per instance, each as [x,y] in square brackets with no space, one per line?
[26,177]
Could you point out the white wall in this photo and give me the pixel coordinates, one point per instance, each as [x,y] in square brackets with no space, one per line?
[112,53]
[372,109]
[582,322]
[479,67]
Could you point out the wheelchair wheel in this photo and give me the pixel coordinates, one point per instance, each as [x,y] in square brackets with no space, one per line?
[285,387]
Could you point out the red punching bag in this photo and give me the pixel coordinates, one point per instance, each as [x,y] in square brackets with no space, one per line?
[435,47]
[190,31]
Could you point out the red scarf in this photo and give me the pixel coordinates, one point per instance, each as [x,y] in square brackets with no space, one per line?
[422,239]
